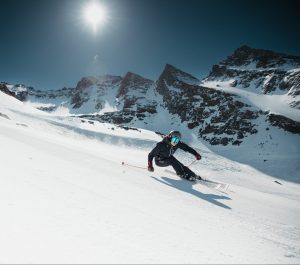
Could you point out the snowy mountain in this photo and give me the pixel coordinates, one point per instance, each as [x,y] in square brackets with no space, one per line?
[249,103]
[218,114]
[260,71]
[65,197]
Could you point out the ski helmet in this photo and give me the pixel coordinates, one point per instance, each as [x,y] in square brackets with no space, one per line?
[175,134]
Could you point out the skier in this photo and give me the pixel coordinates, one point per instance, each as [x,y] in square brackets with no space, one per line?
[163,155]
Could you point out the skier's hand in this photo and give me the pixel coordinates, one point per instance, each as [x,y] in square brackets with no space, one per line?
[151,169]
[198,156]
[150,166]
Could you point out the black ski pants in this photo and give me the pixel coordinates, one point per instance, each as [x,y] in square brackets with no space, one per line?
[180,169]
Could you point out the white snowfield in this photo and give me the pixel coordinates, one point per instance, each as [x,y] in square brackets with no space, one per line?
[66,198]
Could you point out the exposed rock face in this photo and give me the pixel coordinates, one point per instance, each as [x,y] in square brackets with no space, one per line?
[220,117]
[5,90]
[133,88]
[284,123]
[176,93]
[133,82]
[292,82]
[81,93]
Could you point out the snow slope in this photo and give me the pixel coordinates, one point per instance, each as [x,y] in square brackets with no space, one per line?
[66,198]
[271,150]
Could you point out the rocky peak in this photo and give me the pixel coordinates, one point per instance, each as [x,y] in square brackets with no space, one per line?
[132,102]
[172,79]
[108,80]
[86,82]
[135,82]
[172,75]
[263,58]
[261,70]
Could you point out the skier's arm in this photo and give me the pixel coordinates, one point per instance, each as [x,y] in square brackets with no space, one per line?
[153,153]
[189,149]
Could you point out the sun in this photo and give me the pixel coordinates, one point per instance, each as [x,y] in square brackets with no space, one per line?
[95,15]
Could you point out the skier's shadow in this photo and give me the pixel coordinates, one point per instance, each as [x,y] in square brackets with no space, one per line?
[186,186]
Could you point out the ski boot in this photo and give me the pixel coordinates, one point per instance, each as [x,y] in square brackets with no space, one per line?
[198,177]
[188,177]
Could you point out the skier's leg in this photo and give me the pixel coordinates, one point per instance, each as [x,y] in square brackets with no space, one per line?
[189,172]
[181,169]
[171,161]
[178,167]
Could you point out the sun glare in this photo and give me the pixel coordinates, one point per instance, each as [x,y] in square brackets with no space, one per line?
[94,15]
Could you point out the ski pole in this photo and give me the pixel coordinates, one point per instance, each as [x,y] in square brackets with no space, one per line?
[129,165]
[192,163]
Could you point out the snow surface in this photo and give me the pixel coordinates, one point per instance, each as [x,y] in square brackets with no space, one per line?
[66,198]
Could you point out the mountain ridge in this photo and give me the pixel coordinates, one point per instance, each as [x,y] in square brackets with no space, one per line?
[209,108]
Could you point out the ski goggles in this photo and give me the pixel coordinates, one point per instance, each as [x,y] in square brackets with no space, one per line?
[175,140]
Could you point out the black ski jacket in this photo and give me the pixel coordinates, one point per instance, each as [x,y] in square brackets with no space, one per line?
[164,149]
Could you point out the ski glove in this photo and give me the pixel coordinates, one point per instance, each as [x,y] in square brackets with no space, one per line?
[198,156]
[150,166]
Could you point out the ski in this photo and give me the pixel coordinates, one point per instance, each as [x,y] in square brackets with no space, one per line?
[207,182]
[218,185]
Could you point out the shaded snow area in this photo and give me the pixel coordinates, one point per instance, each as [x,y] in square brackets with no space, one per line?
[65,197]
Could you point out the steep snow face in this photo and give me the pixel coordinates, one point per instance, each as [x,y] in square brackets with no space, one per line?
[66,198]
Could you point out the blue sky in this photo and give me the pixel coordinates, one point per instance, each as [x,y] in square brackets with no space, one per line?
[47,44]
